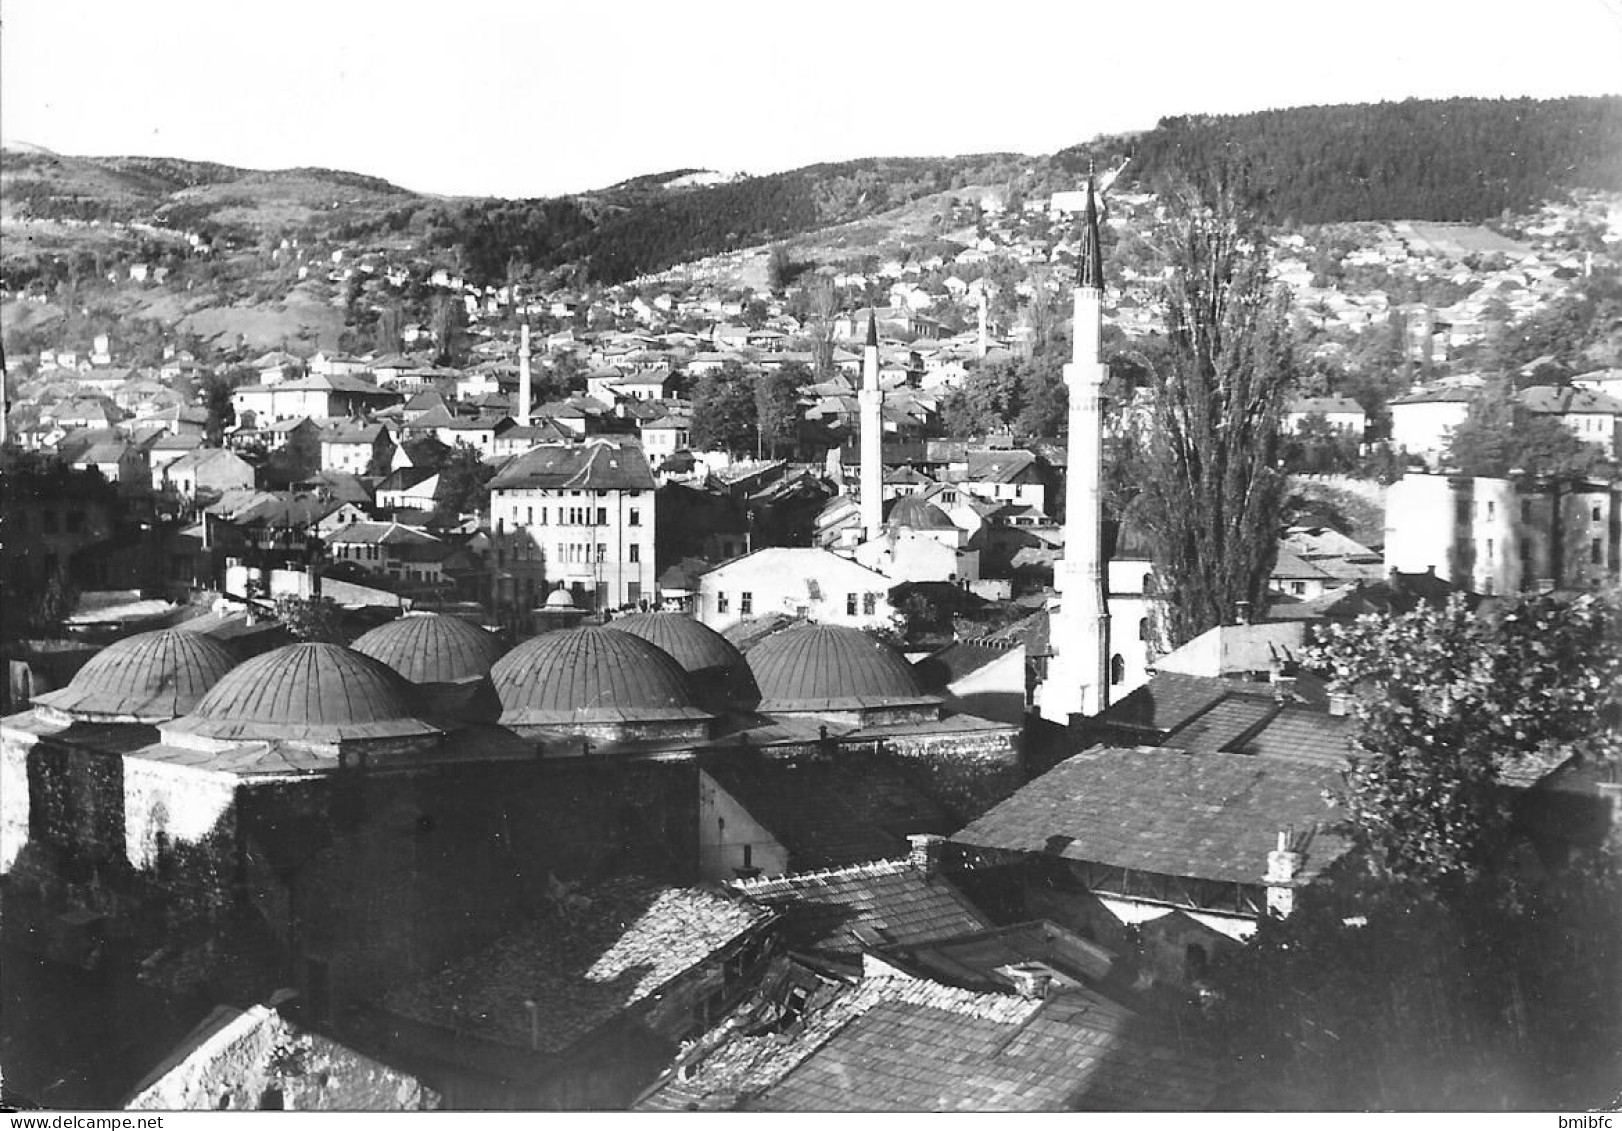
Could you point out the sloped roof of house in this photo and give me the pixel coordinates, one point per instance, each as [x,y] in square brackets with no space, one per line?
[842,911]
[1566,401]
[902,1044]
[596,464]
[381,534]
[593,953]
[829,815]
[1209,816]
[1324,405]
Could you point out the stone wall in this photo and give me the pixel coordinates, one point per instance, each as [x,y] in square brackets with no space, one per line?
[968,771]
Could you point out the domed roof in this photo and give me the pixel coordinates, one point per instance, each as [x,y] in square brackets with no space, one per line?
[588,675]
[696,647]
[323,692]
[830,667]
[147,678]
[918,514]
[430,648]
[559,599]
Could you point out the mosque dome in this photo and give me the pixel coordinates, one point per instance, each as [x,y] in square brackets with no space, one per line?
[321,692]
[911,512]
[696,647]
[819,667]
[591,675]
[559,599]
[431,648]
[152,677]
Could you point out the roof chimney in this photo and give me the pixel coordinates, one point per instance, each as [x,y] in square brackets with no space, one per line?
[1283,866]
[925,852]
[1030,979]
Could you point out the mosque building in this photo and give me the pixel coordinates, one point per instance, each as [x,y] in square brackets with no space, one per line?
[344,820]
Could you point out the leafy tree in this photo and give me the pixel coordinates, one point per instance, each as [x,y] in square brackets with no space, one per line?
[777,403]
[1499,434]
[1447,700]
[464,481]
[293,462]
[215,391]
[1213,493]
[448,323]
[312,620]
[1318,448]
[724,410]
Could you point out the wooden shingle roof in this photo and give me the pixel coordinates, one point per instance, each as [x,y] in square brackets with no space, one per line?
[1210,816]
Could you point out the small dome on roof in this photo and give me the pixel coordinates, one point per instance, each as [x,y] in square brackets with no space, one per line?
[147,678]
[559,599]
[431,648]
[591,675]
[323,692]
[911,512]
[816,667]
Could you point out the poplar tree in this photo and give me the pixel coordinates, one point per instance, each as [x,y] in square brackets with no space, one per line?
[1213,493]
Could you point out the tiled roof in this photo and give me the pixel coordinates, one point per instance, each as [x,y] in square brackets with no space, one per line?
[829,814]
[588,957]
[381,534]
[896,1044]
[1222,724]
[593,465]
[1304,735]
[1207,816]
[844,910]
[1165,703]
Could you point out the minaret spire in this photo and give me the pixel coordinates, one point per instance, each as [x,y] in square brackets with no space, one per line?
[1078,674]
[521,409]
[871,402]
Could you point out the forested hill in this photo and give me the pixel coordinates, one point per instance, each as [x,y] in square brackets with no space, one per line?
[1452,159]
[641,226]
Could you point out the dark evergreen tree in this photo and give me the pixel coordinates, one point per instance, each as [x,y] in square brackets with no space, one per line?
[1213,492]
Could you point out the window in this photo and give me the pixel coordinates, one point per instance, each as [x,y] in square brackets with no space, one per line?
[746,603]
[850,604]
[870,603]
[543,516]
[1489,548]
[1594,514]
[602,552]
[1596,551]
[1298,588]
[1143,628]
[636,553]
[1117,669]
[529,516]
[635,518]
[721,604]
[602,516]
[1526,510]
[1491,508]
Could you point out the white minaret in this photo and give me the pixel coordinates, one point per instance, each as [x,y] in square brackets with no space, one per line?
[521,410]
[871,400]
[984,319]
[1078,672]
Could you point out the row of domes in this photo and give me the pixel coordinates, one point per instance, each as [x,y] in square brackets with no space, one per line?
[638,668]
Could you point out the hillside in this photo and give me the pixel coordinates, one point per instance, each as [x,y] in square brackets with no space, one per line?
[1453,159]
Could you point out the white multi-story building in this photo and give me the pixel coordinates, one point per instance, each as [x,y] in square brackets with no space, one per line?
[588,509]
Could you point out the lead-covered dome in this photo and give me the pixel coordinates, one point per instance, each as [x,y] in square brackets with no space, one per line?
[696,647]
[716,671]
[152,677]
[310,692]
[821,667]
[431,648]
[591,675]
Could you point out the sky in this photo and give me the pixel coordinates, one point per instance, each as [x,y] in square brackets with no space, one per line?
[536,98]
